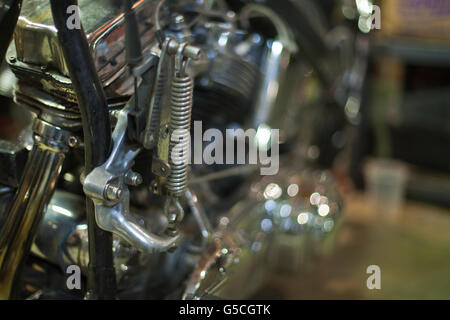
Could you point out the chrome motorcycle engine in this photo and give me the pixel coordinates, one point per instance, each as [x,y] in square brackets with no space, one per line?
[252,72]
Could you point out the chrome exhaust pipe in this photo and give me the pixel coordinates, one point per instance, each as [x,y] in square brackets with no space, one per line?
[38,182]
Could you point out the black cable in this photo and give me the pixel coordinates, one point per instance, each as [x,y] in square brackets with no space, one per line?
[97,141]
[63,252]
[159,32]
[9,13]
[132,39]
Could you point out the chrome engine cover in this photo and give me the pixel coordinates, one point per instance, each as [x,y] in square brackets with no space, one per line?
[36,56]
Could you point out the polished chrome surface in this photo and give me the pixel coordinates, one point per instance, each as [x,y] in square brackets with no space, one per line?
[63,216]
[37,186]
[180,123]
[234,256]
[202,220]
[114,215]
[36,58]
[62,236]
[276,63]
[181,104]
[247,78]
[302,209]
[47,105]
[37,43]
[279,225]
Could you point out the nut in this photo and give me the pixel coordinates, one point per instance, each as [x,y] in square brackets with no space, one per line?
[113,191]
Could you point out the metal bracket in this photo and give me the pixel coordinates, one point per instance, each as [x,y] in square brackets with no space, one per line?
[106,186]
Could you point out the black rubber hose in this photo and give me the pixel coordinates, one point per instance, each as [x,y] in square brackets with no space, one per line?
[97,141]
[132,39]
[9,13]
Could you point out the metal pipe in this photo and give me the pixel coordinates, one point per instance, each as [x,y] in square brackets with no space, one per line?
[36,188]
[200,216]
[276,63]
[158,29]
[97,140]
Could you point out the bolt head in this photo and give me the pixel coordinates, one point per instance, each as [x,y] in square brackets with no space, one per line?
[138,179]
[113,192]
[73,141]
[133,178]
[177,19]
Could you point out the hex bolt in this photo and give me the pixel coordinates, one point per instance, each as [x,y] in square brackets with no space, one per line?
[178,19]
[113,191]
[133,178]
[177,23]
[73,141]
[155,187]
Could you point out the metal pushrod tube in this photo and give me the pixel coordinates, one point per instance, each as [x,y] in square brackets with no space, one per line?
[97,140]
[36,188]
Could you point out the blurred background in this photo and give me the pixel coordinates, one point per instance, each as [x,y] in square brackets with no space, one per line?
[390,158]
[394,170]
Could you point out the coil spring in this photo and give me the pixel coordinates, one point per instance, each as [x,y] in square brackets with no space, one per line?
[181,102]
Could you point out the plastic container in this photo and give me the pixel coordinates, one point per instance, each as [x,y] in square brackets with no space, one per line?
[385,186]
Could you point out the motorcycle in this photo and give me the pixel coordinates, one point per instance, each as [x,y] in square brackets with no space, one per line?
[106,178]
